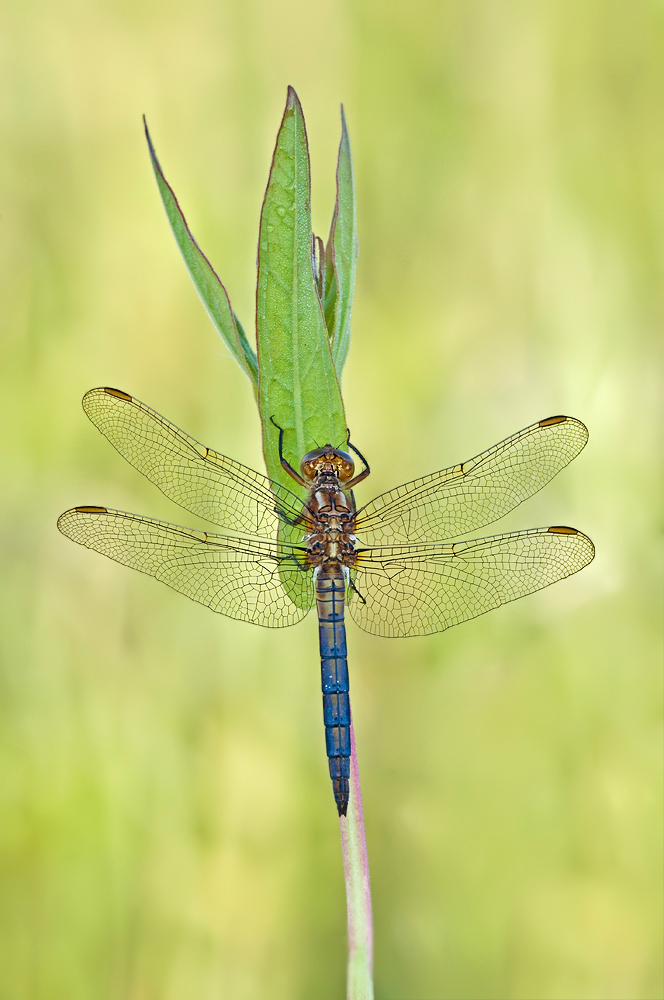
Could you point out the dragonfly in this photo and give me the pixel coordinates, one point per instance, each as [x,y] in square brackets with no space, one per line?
[397,564]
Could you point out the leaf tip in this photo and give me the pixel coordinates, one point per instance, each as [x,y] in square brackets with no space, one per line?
[292,100]
[151,149]
[345,140]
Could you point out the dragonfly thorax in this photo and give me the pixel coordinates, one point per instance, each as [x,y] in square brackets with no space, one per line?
[330,519]
[328,506]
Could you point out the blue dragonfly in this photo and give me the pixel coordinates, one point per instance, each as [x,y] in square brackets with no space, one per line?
[391,562]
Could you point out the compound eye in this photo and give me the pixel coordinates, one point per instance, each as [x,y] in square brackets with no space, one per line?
[307,469]
[309,464]
[345,466]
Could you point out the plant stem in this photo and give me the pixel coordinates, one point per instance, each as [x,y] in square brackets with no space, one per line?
[358,890]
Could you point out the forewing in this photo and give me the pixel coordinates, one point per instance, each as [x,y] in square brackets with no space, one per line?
[419,589]
[195,477]
[469,496]
[238,577]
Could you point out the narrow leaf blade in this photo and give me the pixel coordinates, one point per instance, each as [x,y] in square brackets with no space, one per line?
[341,255]
[208,284]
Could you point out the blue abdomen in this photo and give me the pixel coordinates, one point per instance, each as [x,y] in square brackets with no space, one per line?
[330,594]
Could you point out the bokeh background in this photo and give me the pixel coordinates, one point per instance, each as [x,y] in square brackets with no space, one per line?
[167,828]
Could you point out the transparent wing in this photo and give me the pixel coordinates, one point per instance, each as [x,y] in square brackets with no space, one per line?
[419,589]
[469,496]
[195,477]
[238,577]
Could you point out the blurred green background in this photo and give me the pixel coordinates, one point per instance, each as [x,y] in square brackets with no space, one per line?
[167,828]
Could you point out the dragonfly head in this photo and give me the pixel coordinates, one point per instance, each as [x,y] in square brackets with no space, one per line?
[327,460]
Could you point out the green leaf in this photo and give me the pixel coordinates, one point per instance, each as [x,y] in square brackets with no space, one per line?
[341,256]
[297,383]
[208,285]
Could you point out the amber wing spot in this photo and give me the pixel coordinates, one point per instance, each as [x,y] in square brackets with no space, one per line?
[91,510]
[552,420]
[118,393]
[561,529]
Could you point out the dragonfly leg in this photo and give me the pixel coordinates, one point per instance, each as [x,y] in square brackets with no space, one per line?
[285,464]
[365,472]
[355,590]
[304,566]
[294,521]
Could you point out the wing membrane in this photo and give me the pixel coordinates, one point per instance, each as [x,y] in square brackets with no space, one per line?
[469,496]
[419,589]
[195,477]
[238,577]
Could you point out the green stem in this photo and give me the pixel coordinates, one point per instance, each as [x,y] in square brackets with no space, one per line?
[358,890]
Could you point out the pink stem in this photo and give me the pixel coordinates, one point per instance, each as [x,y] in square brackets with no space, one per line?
[358,890]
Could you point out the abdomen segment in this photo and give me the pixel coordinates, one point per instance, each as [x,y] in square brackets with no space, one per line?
[330,592]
